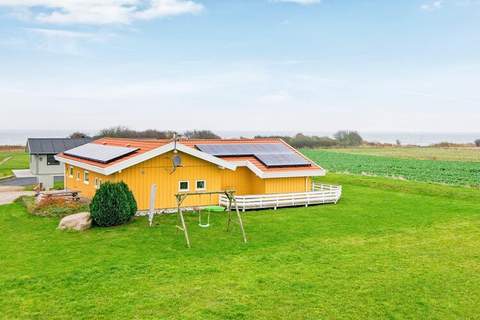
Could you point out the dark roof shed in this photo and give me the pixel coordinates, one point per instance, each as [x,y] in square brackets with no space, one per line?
[53,145]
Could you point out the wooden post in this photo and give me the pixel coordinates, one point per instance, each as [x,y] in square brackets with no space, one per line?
[240,220]
[229,209]
[182,220]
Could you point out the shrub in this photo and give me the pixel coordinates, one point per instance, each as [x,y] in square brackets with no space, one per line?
[111,206]
[52,207]
[130,198]
[348,138]
[477,142]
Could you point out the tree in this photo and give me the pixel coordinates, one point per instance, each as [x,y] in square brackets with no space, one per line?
[78,135]
[125,132]
[477,142]
[111,205]
[303,141]
[348,138]
[200,134]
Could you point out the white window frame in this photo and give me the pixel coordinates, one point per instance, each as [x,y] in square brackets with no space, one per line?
[70,171]
[78,175]
[180,183]
[86,173]
[204,185]
[97,184]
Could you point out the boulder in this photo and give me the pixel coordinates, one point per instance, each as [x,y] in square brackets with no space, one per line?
[78,221]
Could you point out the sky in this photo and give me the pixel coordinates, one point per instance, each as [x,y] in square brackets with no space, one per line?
[251,65]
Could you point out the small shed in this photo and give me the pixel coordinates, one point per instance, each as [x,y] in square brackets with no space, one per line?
[42,153]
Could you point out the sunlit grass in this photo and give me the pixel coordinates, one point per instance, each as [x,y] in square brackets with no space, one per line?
[386,250]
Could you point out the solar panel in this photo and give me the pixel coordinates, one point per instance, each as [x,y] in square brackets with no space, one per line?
[282,159]
[243,149]
[270,154]
[99,152]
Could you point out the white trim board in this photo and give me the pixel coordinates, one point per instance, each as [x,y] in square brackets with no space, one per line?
[280,174]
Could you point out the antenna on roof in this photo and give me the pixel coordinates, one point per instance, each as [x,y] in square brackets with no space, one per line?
[175,139]
[176,159]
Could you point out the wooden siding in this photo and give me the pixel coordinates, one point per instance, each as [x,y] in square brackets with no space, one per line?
[287,185]
[86,190]
[159,171]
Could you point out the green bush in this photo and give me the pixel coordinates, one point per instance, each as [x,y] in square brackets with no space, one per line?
[131,199]
[112,205]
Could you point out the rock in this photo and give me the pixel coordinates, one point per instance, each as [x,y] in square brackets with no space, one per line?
[78,221]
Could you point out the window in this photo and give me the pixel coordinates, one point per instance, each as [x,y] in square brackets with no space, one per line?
[85,177]
[70,172]
[97,183]
[51,160]
[200,185]
[78,176]
[183,186]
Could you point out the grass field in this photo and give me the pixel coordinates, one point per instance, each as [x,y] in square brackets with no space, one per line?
[420,153]
[388,249]
[12,160]
[438,171]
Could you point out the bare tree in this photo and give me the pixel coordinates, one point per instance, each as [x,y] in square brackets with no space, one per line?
[78,135]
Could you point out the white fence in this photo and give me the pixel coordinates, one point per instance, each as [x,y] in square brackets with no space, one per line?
[321,193]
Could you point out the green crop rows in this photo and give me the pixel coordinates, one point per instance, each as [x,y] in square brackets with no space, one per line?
[448,172]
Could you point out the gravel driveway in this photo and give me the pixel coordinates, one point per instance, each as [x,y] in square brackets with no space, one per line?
[9,194]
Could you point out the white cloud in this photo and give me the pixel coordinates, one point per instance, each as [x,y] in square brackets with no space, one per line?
[301,2]
[64,41]
[432,5]
[94,12]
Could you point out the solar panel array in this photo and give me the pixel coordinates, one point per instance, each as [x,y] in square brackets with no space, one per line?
[242,149]
[270,154]
[99,152]
[282,159]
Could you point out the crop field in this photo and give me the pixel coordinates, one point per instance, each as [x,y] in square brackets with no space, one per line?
[436,171]
[419,153]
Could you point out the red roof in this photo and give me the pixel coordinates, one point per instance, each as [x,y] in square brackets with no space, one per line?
[145,145]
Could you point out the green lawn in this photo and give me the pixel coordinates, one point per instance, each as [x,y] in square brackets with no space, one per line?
[12,160]
[439,171]
[420,153]
[388,249]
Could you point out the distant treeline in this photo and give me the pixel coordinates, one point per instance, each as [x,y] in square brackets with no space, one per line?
[124,132]
[340,139]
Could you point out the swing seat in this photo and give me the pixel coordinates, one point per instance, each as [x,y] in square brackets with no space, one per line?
[214,209]
[209,210]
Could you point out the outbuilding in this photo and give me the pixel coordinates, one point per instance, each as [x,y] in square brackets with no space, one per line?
[42,151]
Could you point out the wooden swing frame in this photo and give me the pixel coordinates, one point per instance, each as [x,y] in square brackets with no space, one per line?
[230,194]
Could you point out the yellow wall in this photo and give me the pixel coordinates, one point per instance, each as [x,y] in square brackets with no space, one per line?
[287,185]
[74,183]
[159,171]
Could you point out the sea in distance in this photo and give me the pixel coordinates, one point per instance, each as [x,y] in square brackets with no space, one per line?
[19,137]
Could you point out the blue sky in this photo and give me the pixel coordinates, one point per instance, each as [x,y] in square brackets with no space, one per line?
[294,65]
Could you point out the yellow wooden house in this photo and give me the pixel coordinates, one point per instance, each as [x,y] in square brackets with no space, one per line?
[258,169]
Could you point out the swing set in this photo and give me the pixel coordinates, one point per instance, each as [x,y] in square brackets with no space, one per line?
[230,194]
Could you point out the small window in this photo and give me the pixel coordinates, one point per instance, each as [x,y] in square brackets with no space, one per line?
[51,161]
[97,183]
[183,186]
[85,177]
[78,176]
[200,185]
[70,172]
